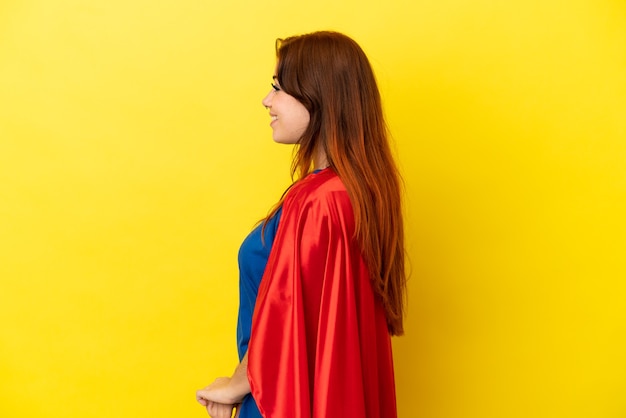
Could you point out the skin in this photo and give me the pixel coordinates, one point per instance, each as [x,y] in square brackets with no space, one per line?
[225,393]
[218,410]
[289,117]
[289,121]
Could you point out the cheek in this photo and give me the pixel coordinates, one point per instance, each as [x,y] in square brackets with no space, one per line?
[304,118]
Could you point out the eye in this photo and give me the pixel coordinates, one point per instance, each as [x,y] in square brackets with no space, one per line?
[275,87]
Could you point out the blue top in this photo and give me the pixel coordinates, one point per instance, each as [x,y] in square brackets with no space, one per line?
[253,256]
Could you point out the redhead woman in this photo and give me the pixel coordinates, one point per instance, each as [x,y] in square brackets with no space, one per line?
[322,279]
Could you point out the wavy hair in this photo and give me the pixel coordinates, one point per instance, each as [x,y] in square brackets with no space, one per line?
[331,76]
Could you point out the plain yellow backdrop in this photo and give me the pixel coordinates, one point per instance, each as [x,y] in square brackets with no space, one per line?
[135,156]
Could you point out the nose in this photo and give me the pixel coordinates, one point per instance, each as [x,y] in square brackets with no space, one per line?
[267,101]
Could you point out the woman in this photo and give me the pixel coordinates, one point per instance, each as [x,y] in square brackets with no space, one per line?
[328,261]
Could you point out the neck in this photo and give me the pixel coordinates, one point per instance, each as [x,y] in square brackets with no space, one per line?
[320,161]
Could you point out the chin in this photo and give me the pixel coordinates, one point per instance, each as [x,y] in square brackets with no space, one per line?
[284,141]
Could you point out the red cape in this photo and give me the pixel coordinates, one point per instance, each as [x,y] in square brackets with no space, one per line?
[319,347]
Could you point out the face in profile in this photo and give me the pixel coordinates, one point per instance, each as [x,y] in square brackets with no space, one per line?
[289,117]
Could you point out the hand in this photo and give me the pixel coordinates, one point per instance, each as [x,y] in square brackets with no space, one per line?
[220,391]
[220,410]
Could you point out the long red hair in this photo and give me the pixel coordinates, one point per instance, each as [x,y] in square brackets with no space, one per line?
[331,76]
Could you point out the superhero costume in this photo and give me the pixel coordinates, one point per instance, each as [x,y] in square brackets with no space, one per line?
[320,346]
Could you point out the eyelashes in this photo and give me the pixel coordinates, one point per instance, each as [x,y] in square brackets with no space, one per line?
[275,87]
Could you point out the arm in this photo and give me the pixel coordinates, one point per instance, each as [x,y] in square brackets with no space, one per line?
[227,390]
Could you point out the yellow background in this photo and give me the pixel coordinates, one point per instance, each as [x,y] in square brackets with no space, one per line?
[135,156]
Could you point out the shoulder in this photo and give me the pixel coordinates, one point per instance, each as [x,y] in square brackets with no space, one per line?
[320,193]
[318,187]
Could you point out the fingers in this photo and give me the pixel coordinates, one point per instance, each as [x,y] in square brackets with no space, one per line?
[201,397]
[219,410]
